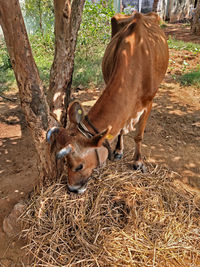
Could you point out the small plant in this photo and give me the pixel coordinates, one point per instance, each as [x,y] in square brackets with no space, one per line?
[95,27]
[184,67]
[7,78]
[191,78]
[4,58]
[180,45]
[163,24]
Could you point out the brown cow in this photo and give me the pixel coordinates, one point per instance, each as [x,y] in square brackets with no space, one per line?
[134,64]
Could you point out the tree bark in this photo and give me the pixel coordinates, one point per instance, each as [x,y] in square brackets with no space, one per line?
[67,23]
[155,5]
[195,22]
[33,101]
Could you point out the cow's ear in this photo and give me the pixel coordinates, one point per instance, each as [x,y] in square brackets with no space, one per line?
[155,17]
[75,112]
[119,21]
[114,26]
[98,139]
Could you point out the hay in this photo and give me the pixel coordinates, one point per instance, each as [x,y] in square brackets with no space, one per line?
[125,218]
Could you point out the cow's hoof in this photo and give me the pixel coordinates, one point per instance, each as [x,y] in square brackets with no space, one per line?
[139,166]
[118,156]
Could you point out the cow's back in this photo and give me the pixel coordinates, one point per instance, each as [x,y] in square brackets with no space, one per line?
[137,53]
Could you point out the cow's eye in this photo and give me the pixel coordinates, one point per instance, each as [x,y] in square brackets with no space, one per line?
[80,167]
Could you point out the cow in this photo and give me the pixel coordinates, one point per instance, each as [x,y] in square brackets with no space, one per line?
[133,66]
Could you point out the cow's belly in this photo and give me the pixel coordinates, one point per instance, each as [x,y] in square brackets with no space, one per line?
[130,125]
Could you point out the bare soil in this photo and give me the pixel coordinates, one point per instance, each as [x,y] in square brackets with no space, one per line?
[172,139]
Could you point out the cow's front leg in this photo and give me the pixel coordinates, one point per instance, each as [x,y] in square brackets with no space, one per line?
[118,152]
[138,162]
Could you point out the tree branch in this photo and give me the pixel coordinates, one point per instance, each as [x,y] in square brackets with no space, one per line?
[67,23]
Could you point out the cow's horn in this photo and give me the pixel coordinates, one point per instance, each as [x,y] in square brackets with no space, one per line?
[63,152]
[51,131]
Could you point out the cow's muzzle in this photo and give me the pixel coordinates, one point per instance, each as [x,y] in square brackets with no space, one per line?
[77,189]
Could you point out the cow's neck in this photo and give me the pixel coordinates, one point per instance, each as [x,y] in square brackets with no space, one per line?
[108,111]
[89,134]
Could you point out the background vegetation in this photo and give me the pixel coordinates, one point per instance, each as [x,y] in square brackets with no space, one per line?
[93,37]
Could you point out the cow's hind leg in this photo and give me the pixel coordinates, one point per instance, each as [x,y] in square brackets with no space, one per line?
[138,163]
[118,152]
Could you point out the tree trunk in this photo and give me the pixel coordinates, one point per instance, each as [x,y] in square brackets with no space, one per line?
[155,5]
[33,101]
[67,23]
[195,22]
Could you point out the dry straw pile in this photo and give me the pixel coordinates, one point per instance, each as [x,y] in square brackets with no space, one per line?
[125,218]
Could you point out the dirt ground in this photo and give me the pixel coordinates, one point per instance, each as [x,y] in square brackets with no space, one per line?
[172,139]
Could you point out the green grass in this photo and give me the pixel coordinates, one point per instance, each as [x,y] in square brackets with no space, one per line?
[43,53]
[87,67]
[7,78]
[191,78]
[180,45]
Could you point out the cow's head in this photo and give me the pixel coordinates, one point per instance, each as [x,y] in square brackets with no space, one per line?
[83,151]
